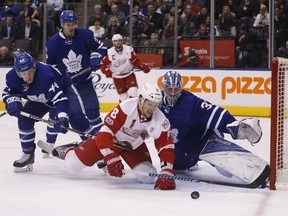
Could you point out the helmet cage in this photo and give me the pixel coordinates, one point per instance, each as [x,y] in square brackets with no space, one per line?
[172,87]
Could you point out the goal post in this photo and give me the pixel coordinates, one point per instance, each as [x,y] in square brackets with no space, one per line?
[279,124]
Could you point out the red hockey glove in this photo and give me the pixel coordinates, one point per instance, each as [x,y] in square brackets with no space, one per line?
[114,165]
[164,183]
[145,68]
[108,73]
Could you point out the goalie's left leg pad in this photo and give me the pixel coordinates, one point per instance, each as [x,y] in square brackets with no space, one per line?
[232,158]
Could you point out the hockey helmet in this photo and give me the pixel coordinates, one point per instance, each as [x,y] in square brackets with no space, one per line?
[68,16]
[150,92]
[117,37]
[172,87]
[23,62]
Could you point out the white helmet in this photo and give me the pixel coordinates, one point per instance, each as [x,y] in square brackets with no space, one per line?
[117,37]
[150,92]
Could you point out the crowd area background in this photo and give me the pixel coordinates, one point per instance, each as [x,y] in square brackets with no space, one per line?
[156,27]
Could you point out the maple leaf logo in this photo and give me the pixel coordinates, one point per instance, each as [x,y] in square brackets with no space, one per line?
[73,62]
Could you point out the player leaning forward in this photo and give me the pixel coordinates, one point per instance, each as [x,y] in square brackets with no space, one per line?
[198,129]
[125,123]
[40,85]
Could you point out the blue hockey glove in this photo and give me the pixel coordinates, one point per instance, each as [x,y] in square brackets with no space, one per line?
[66,81]
[62,123]
[14,106]
[95,60]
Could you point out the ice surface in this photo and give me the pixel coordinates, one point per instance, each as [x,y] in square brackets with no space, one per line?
[50,191]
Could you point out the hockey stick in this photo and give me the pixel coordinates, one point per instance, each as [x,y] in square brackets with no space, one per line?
[4,113]
[130,147]
[138,69]
[82,72]
[51,123]
[260,181]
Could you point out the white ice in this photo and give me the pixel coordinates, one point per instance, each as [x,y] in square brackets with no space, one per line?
[50,191]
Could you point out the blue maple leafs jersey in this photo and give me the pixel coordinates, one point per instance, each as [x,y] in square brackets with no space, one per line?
[193,120]
[44,89]
[73,55]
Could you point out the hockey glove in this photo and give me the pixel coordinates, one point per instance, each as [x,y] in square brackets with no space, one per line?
[66,81]
[62,123]
[247,128]
[95,60]
[114,165]
[145,68]
[108,73]
[165,183]
[14,106]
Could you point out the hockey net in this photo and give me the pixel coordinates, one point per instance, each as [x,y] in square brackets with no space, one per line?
[279,125]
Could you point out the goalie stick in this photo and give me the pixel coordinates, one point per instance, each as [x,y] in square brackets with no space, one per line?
[51,122]
[259,182]
[2,114]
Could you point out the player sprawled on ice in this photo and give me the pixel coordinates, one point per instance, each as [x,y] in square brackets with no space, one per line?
[197,130]
[41,85]
[118,64]
[73,50]
[127,125]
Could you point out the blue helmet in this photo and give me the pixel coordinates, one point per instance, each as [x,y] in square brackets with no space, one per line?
[68,16]
[172,87]
[23,62]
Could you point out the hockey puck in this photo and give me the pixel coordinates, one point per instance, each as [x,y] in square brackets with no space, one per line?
[195,195]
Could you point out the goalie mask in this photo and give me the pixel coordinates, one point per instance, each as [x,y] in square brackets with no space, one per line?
[172,87]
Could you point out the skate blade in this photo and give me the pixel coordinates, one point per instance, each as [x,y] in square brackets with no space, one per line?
[27,168]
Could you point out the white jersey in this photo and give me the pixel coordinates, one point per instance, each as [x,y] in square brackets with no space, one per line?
[120,62]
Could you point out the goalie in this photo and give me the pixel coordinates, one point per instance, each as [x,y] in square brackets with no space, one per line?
[198,129]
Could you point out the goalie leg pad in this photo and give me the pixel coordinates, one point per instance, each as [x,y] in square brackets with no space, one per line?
[233,159]
[247,128]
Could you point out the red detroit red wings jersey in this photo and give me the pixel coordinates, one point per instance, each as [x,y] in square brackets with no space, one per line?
[126,123]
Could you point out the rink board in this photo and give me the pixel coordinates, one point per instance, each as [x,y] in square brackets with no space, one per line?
[242,92]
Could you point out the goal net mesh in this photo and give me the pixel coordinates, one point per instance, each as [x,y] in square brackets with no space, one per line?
[279,125]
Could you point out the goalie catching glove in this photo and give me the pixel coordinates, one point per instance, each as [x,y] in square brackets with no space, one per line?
[247,128]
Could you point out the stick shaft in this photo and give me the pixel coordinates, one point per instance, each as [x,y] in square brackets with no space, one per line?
[52,122]
[81,72]
[4,113]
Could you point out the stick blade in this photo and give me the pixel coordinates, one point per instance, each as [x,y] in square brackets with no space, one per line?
[45,146]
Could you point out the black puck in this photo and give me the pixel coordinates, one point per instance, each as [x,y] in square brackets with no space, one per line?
[195,195]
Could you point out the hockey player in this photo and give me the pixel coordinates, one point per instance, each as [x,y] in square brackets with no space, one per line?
[40,85]
[130,119]
[72,50]
[197,130]
[118,64]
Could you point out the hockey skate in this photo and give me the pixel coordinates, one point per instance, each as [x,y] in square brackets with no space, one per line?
[25,163]
[60,151]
